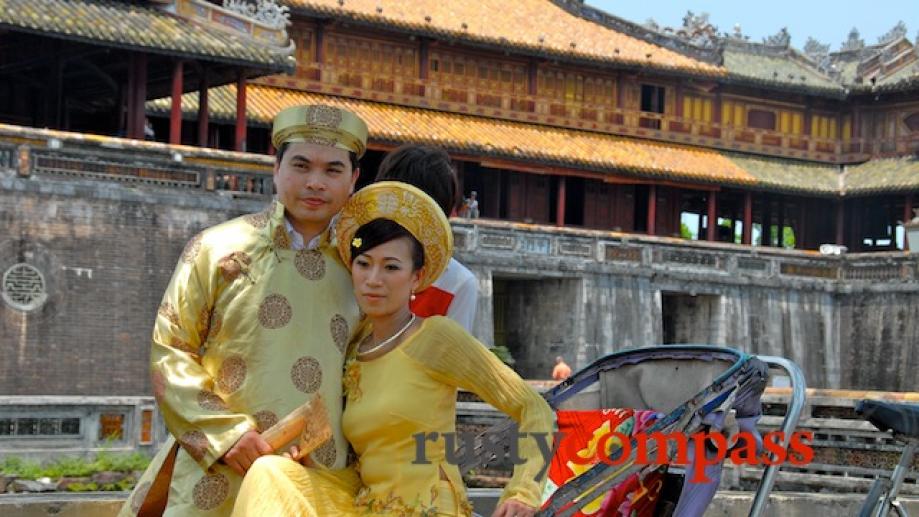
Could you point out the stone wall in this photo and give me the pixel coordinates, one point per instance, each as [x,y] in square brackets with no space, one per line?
[849,321]
[106,252]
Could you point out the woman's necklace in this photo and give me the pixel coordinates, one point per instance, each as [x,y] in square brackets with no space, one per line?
[388,340]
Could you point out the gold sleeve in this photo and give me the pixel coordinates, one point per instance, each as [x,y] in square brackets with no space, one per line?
[193,412]
[453,356]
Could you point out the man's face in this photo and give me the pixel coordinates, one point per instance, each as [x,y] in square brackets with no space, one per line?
[314,182]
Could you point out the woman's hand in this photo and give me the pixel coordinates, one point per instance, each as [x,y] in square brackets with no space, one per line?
[512,508]
[294,452]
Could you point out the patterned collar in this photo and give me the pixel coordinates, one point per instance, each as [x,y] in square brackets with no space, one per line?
[287,236]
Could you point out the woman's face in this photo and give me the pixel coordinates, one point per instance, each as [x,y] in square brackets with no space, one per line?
[383,278]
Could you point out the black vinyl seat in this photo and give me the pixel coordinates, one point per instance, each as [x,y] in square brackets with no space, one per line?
[900,418]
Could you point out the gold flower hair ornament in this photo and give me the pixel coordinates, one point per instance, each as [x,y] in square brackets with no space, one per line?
[356,243]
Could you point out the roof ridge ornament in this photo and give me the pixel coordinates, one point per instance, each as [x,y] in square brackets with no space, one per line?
[697,30]
[268,12]
[854,42]
[898,31]
[779,39]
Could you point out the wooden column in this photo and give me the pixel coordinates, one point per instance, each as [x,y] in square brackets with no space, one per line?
[907,217]
[840,219]
[747,218]
[679,102]
[320,44]
[766,227]
[136,109]
[128,99]
[716,109]
[780,231]
[532,76]
[560,203]
[203,111]
[652,209]
[58,94]
[424,62]
[802,240]
[712,216]
[240,139]
[175,114]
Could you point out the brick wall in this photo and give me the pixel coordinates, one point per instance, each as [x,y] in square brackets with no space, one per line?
[106,252]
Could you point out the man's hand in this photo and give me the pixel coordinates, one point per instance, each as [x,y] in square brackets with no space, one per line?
[244,453]
[512,508]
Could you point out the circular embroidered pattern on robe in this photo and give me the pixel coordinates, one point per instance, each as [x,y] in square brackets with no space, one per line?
[190,253]
[232,374]
[234,264]
[168,311]
[306,374]
[158,380]
[280,238]
[209,324]
[178,344]
[195,444]
[326,454]
[339,329]
[211,491]
[310,264]
[265,419]
[210,401]
[274,312]
[140,493]
[257,220]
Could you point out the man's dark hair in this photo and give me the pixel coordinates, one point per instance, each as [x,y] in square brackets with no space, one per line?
[381,231]
[355,163]
[426,167]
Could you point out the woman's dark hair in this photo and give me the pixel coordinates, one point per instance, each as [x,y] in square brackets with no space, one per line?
[352,156]
[426,167]
[381,231]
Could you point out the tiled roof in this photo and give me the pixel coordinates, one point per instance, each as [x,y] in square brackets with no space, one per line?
[789,175]
[776,68]
[535,25]
[488,137]
[592,152]
[128,25]
[882,175]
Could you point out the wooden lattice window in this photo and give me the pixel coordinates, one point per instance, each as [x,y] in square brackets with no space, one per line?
[146,426]
[570,87]
[370,63]
[697,108]
[111,426]
[459,72]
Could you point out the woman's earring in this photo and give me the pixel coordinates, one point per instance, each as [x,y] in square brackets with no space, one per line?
[412,297]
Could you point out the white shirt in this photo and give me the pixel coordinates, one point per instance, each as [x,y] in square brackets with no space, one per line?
[454,294]
[296,240]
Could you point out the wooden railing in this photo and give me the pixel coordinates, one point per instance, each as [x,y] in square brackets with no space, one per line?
[607,118]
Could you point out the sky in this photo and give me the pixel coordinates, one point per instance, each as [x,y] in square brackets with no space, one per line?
[827,21]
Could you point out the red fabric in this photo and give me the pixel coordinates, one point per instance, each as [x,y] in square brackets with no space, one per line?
[634,496]
[431,302]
